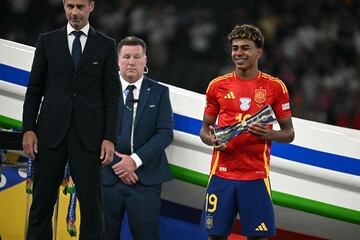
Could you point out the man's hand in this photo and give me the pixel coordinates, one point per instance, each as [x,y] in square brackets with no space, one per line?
[107,152]
[259,130]
[207,133]
[129,179]
[30,144]
[126,165]
[125,169]
[215,141]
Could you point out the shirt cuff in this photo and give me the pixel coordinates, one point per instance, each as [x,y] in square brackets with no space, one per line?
[136,159]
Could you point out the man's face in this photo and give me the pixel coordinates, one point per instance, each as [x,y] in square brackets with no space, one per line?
[245,54]
[78,11]
[132,61]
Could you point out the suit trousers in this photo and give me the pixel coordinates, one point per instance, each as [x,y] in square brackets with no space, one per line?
[48,174]
[142,205]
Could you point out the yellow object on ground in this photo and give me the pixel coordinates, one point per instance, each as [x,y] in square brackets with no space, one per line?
[12,214]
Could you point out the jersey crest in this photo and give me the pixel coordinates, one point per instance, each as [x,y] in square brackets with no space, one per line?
[260,95]
[209,222]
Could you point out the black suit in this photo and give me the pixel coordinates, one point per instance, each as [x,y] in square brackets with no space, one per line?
[153,132]
[79,109]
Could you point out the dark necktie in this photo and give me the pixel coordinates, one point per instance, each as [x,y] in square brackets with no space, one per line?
[127,121]
[76,48]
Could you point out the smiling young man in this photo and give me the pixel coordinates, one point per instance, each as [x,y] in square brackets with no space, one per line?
[70,114]
[239,179]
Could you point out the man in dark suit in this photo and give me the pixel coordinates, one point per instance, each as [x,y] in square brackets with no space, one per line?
[75,72]
[133,182]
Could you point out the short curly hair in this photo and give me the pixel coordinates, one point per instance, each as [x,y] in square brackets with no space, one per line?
[247,31]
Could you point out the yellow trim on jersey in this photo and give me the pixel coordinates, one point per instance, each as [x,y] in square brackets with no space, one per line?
[267,184]
[213,170]
[267,169]
[266,160]
[226,76]
[271,78]
[281,84]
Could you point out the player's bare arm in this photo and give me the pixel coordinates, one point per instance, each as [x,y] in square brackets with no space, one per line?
[207,133]
[284,135]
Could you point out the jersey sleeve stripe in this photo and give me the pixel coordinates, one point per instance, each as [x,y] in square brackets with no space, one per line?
[281,84]
[218,79]
[271,78]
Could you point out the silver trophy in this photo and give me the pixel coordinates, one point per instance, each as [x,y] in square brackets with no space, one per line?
[225,134]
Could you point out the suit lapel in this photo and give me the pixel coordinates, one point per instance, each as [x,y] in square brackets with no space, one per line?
[89,46]
[64,47]
[145,92]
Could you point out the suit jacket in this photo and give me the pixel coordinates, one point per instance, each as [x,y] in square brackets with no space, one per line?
[153,132]
[89,92]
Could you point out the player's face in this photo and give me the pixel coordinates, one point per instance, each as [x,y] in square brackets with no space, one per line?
[132,61]
[245,54]
[77,12]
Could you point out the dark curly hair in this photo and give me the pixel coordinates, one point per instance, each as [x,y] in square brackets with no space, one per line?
[249,32]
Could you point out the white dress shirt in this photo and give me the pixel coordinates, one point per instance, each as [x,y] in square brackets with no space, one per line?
[71,36]
[136,92]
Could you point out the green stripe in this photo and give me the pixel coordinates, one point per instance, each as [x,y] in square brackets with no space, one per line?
[189,176]
[315,207]
[9,123]
[281,199]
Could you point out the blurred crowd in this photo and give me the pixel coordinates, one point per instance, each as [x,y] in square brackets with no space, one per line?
[312,45]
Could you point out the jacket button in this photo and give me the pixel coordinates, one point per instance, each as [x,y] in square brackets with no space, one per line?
[74,94]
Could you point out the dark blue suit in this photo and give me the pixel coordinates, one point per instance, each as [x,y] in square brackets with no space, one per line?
[153,132]
[78,111]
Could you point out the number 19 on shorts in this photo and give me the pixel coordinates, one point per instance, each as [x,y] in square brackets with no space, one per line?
[211,202]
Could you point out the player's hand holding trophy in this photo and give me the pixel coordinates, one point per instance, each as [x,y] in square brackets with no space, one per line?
[264,116]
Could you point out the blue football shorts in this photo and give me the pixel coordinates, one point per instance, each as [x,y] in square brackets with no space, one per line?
[250,198]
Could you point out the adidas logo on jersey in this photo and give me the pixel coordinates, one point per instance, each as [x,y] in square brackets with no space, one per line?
[262,227]
[230,95]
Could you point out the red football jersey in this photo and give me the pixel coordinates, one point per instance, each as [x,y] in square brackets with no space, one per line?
[247,157]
